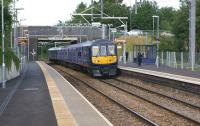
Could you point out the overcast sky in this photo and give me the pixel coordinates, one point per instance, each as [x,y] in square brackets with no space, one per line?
[48,12]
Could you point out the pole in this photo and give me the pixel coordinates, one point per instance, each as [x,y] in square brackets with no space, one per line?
[3,49]
[28,47]
[153,26]
[157,39]
[113,36]
[101,8]
[158,33]
[11,39]
[15,29]
[92,10]
[181,60]
[80,34]
[192,32]
[109,31]
[103,31]
[124,52]
[130,16]
[146,38]
[136,7]
[124,44]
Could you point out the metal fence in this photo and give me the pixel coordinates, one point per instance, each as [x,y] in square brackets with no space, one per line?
[176,60]
[179,60]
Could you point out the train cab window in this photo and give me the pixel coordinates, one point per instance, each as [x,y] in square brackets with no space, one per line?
[95,50]
[103,51]
[111,50]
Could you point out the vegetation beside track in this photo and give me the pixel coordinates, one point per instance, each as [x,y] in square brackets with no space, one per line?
[9,54]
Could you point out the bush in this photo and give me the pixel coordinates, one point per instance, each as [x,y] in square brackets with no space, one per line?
[9,57]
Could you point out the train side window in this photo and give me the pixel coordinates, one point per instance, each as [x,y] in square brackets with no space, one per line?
[79,54]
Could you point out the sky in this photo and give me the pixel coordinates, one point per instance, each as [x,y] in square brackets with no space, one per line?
[48,12]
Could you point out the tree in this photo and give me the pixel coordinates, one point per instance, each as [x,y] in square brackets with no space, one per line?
[7,21]
[111,8]
[143,20]
[78,19]
[114,9]
[181,27]
[9,55]
[167,17]
[113,1]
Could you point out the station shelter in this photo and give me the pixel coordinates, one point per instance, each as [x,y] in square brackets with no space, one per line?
[148,52]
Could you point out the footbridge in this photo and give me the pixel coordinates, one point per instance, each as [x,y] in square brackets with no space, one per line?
[56,34]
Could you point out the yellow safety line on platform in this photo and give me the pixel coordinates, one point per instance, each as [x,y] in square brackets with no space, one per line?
[63,115]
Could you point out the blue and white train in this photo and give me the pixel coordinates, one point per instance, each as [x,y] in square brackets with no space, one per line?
[97,57]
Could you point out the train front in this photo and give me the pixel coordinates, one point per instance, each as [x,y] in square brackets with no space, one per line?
[104,59]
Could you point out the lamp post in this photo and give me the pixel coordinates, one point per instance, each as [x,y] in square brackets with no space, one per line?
[15,30]
[124,43]
[15,27]
[153,26]
[3,49]
[157,39]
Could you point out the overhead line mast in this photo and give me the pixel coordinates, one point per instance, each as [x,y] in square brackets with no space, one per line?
[192,31]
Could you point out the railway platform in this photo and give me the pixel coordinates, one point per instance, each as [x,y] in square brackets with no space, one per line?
[164,72]
[42,97]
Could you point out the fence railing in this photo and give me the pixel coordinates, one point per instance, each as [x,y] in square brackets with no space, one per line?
[179,60]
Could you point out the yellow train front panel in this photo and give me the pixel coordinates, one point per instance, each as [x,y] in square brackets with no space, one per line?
[104,59]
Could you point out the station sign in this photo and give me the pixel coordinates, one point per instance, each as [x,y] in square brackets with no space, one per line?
[113,30]
[22,40]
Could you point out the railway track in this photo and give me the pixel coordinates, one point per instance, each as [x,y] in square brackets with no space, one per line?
[130,109]
[146,120]
[196,106]
[156,102]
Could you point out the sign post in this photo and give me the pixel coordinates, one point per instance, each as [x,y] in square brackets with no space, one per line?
[33,54]
[123,49]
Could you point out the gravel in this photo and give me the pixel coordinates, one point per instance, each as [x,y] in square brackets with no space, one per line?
[168,103]
[151,111]
[117,115]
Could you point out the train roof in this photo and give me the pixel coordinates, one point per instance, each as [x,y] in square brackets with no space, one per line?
[54,48]
[84,44]
[89,43]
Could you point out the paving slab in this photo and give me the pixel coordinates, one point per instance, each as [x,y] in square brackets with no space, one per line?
[31,104]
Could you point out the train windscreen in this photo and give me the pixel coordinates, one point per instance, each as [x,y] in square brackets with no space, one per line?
[95,51]
[111,50]
[103,51]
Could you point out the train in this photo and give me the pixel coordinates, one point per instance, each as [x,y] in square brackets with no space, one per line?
[97,57]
